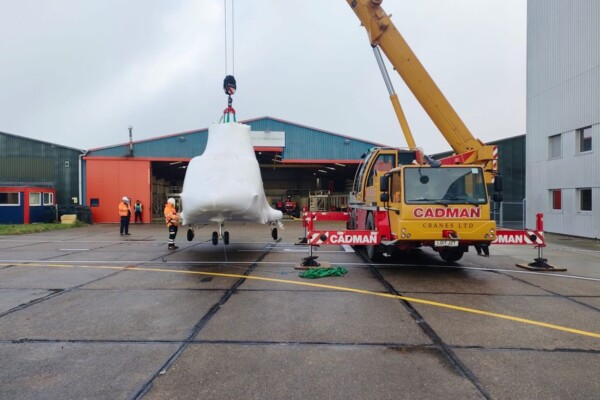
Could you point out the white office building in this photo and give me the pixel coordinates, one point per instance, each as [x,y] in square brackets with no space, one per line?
[563,116]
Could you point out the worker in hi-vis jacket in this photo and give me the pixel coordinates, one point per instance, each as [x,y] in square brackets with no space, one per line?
[125,215]
[172,220]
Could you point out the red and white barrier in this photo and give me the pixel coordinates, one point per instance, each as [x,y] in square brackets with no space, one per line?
[356,237]
[535,238]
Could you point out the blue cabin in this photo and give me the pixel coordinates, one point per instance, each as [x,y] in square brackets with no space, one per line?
[27,204]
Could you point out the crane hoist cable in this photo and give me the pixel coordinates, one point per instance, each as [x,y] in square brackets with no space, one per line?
[229,84]
[232,38]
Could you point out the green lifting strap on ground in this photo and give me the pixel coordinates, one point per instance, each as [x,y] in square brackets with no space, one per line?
[314,273]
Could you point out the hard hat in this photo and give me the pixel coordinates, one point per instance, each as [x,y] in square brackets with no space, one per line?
[125,198]
[171,201]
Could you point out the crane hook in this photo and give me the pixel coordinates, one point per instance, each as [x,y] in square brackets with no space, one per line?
[229,86]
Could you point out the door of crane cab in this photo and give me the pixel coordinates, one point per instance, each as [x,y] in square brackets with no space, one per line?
[390,185]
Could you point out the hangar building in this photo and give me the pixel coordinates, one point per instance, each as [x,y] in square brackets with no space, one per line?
[35,176]
[313,166]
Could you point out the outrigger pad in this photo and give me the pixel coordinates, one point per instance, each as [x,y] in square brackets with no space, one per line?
[310,262]
[540,265]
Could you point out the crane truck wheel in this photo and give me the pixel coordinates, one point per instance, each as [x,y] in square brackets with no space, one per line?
[373,252]
[452,254]
[351,224]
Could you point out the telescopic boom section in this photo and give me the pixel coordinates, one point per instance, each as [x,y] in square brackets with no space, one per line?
[383,33]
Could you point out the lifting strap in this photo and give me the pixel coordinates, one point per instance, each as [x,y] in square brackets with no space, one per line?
[315,273]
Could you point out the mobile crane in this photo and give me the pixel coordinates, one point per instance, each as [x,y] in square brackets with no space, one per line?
[402,199]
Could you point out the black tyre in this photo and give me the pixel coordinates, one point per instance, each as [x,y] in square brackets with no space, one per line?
[451,255]
[226,237]
[351,225]
[274,233]
[215,238]
[190,235]
[373,252]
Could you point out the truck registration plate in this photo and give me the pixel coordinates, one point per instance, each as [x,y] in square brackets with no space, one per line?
[446,243]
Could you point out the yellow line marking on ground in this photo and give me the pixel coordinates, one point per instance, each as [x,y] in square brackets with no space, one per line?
[338,288]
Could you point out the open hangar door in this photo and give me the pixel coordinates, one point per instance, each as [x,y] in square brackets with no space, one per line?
[298,180]
[167,181]
[330,181]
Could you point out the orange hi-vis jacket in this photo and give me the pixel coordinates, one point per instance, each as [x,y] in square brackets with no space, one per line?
[171,217]
[124,209]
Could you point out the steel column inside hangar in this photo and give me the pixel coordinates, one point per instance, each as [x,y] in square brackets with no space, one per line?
[295,160]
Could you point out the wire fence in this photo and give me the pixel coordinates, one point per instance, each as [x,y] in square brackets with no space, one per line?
[509,214]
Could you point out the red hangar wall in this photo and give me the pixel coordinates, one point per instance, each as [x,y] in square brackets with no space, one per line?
[109,179]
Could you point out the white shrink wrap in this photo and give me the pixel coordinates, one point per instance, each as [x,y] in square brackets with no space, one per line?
[224,183]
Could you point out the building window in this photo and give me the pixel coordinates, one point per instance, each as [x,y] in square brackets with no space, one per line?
[9,199]
[48,198]
[556,199]
[584,139]
[584,199]
[67,164]
[94,202]
[555,146]
[35,199]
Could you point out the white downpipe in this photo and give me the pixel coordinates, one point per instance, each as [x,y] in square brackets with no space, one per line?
[79,177]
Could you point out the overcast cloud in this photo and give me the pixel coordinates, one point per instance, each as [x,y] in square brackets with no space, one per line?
[78,73]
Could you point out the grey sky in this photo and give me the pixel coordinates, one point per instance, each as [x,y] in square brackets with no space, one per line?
[78,73]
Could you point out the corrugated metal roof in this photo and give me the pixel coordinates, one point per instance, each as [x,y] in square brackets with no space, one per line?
[11,143]
[305,143]
[301,143]
[26,160]
[179,145]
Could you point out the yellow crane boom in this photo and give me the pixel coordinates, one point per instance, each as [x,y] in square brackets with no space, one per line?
[383,34]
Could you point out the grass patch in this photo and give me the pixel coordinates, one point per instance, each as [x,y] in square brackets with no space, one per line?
[35,228]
